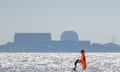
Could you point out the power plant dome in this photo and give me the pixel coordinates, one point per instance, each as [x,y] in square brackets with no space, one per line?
[69,36]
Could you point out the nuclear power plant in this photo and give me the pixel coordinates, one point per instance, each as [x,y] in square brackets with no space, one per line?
[42,42]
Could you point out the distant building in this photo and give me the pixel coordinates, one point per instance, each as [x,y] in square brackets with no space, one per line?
[31,38]
[41,42]
[69,36]
[32,41]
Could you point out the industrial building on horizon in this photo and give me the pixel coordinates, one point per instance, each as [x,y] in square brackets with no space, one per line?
[42,42]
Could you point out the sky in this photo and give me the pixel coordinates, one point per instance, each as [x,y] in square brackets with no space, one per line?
[94,20]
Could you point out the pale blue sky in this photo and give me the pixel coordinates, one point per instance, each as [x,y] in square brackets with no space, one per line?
[95,20]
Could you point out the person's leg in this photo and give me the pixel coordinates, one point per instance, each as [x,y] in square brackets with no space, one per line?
[77,61]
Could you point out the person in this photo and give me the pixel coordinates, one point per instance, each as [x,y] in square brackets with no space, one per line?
[82,61]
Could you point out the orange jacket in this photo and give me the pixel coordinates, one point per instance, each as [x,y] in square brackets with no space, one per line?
[83,61]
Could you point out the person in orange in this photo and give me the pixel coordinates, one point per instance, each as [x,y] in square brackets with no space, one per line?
[82,60]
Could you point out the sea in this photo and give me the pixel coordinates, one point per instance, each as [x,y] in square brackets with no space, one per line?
[58,62]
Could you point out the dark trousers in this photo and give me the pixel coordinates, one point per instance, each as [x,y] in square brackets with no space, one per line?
[77,61]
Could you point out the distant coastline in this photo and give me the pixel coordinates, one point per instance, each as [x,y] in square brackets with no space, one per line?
[41,42]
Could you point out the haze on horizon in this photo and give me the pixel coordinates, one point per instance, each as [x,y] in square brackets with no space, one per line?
[94,20]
